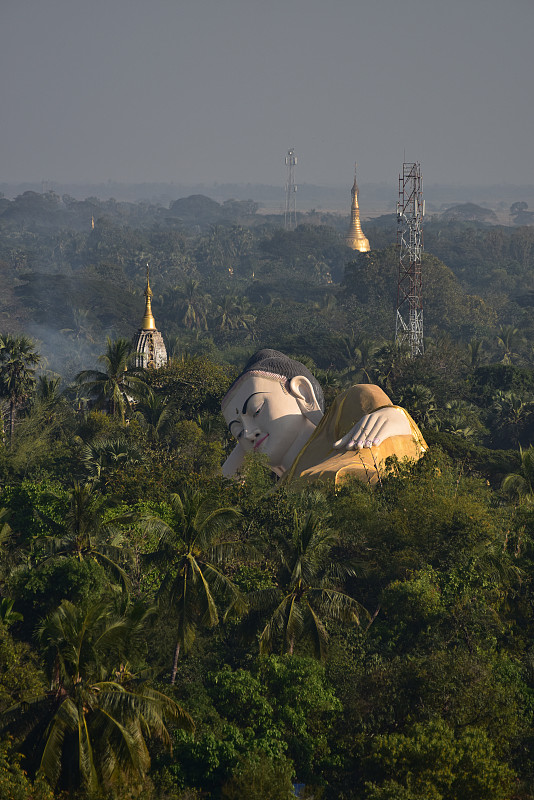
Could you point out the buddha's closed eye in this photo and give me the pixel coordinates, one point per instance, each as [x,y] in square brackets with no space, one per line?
[255,413]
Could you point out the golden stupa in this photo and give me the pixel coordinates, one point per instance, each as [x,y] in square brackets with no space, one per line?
[356,238]
[148,344]
[148,323]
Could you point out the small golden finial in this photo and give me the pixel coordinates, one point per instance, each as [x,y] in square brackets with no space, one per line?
[355,184]
[148,323]
[148,290]
[356,238]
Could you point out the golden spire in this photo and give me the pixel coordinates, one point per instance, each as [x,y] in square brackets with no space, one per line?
[148,323]
[355,237]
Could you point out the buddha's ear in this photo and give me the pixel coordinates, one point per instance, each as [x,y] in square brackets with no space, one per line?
[304,393]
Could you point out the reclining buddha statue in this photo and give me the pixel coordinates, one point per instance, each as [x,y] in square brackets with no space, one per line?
[276,407]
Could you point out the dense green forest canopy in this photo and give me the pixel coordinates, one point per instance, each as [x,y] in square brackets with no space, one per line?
[166,634]
[226,277]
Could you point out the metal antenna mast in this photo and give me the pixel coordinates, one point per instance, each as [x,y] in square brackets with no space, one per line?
[290,214]
[410,213]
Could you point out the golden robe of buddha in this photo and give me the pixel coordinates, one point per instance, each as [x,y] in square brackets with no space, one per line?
[319,460]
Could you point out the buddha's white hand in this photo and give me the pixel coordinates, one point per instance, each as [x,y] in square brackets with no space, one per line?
[372,429]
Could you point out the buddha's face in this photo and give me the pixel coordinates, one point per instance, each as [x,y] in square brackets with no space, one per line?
[265,417]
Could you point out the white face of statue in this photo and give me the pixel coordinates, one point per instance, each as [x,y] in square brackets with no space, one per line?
[266,418]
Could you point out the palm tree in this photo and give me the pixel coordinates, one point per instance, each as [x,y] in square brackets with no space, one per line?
[49,405]
[306,591]
[224,247]
[90,729]
[7,615]
[17,374]
[474,350]
[85,531]
[388,362]
[359,352]
[521,484]
[173,345]
[193,306]
[157,412]
[420,402]
[507,341]
[244,316]
[101,455]
[233,314]
[458,417]
[192,550]
[114,388]
[226,316]
[6,549]
[47,389]
[5,530]
[510,412]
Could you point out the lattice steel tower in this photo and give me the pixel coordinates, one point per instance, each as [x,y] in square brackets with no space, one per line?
[290,214]
[410,212]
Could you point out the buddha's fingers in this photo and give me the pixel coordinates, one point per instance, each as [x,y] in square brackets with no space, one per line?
[374,428]
[357,433]
[376,434]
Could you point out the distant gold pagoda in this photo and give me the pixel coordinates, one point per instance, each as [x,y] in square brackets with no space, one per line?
[148,344]
[355,237]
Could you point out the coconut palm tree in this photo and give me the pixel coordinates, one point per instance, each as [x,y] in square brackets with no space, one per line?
[193,306]
[115,387]
[474,352]
[233,313]
[359,352]
[307,592]
[18,360]
[90,730]
[521,484]
[47,389]
[49,406]
[85,532]
[157,412]
[191,552]
[7,615]
[508,340]
[173,344]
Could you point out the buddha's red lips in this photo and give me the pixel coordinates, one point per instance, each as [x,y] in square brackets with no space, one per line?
[261,441]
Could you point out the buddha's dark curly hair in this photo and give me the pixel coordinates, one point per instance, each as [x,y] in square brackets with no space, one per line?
[275,362]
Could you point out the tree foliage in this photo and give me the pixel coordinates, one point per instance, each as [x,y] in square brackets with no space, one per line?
[92,726]
[121,544]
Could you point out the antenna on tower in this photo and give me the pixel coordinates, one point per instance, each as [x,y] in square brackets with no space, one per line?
[410,212]
[290,214]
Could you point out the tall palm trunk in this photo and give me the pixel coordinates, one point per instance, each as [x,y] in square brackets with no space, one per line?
[12,415]
[175,663]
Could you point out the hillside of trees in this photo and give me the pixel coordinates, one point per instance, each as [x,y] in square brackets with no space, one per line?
[167,634]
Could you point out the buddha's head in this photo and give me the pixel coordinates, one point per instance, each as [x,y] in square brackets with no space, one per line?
[273,407]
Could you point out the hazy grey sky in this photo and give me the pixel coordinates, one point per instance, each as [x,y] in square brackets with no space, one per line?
[217,90]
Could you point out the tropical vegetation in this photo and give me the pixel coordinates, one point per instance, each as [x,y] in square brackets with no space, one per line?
[165,634]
